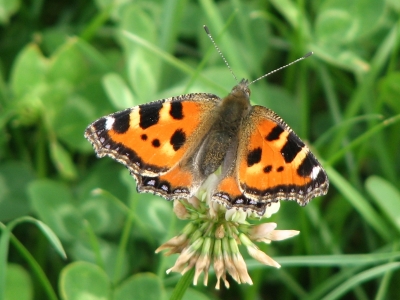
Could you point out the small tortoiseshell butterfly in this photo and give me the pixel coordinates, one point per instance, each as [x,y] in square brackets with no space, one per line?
[172,145]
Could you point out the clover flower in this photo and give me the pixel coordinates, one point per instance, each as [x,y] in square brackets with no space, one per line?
[212,237]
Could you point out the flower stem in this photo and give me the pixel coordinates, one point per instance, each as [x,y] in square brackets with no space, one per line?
[182,285]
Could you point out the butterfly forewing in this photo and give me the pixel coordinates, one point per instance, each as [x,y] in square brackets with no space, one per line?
[150,139]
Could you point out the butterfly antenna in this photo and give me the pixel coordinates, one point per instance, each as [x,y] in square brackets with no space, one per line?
[219,51]
[293,62]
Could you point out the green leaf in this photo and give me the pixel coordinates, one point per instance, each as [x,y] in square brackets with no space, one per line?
[342,58]
[18,283]
[7,9]
[340,260]
[289,10]
[52,238]
[4,245]
[340,25]
[389,90]
[52,201]
[62,160]
[100,210]
[102,252]
[152,212]
[82,280]
[14,179]
[50,235]
[361,277]
[340,22]
[28,71]
[105,174]
[68,65]
[118,92]
[71,121]
[386,196]
[142,75]
[142,24]
[142,66]
[359,202]
[142,286]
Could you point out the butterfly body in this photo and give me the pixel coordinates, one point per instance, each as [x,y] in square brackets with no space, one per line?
[172,145]
[223,133]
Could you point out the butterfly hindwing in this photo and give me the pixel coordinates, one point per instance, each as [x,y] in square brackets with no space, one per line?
[229,193]
[177,183]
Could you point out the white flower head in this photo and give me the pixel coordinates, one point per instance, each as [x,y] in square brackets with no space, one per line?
[236,215]
[213,235]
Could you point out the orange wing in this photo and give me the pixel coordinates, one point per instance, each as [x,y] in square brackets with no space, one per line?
[272,164]
[153,138]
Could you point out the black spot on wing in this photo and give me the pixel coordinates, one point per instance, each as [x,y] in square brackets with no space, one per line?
[143,137]
[99,126]
[307,165]
[254,157]
[178,139]
[176,110]
[121,121]
[321,178]
[292,146]
[156,143]
[150,114]
[280,169]
[275,133]
[267,169]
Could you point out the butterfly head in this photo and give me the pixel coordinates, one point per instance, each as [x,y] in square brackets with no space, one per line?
[241,90]
[237,104]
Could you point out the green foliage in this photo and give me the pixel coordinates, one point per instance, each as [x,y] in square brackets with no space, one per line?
[67,63]
[18,277]
[82,280]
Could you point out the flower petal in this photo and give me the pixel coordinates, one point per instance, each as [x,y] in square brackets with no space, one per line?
[241,267]
[203,262]
[180,210]
[261,231]
[172,243]
[262,257]
[236,215]
[279,235]
[195,202]
[185,256]
[271,209]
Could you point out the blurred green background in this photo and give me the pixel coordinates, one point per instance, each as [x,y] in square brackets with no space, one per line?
[66,63]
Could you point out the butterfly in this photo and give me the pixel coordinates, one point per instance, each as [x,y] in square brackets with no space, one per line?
[171,146]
